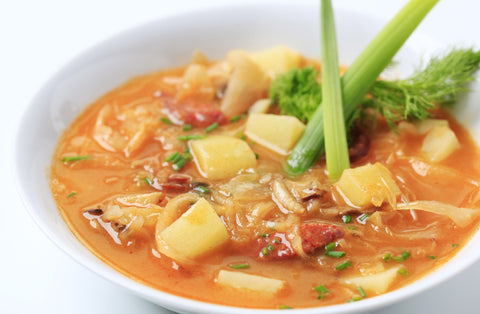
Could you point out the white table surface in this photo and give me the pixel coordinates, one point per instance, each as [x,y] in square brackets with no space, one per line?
[36,39]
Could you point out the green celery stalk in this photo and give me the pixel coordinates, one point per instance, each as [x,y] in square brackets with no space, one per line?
[336,146]
[358,79]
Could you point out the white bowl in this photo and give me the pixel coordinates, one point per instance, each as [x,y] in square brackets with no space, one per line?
[168,43]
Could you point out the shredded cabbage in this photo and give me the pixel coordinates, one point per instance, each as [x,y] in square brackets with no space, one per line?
[461,216]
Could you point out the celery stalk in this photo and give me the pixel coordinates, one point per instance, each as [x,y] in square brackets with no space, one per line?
[336,146]
[358,79]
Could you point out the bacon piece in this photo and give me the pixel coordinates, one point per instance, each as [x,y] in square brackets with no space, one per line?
[176,182]
[317,235]
[274,246]
[198,114]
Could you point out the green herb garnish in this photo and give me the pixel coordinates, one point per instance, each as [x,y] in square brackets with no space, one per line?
[191,137]
[239,266]
[403,272]
[187,127]
[336,254]
[357,81]
[343,265]
[71,194]
[211,127]
[76,158]
[166,120]
[347,219]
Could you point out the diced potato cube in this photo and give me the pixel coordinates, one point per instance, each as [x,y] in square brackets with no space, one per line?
[220,156]
[260,106]
[196,74]
[249,282]
[198,231]
[278,59]
[247,84]
[276,132]
[368,184]
[377,283]
[425,126]
[439,143]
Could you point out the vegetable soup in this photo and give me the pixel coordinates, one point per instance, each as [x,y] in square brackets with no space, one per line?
[176,179]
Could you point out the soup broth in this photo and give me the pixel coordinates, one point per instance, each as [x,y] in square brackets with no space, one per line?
[134,163]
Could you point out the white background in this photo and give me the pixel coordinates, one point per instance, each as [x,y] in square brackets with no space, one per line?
[36,39]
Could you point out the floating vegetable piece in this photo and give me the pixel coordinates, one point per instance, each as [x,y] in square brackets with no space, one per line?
[198,231]
[278,133]
[368,185]
[439,143]
[249,282]
[377,283]
[221,156]
[247,84]
[277,60]
[461,216]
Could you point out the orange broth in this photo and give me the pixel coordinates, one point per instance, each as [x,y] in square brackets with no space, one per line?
[82,185]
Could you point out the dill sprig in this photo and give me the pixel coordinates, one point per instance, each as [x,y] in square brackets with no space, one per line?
[438,84]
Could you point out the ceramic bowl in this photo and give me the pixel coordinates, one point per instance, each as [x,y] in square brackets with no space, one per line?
[168,43]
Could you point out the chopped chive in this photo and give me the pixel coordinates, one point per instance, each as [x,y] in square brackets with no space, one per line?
[148,180]
[270,247]
[352,228]
[174,157]
[179,164]
[343,265]
[347,219]
[239,266]
[432,256]
[75,158]
[211,127]
[321,289]
[363,217]
[265,251]
[362,292]
[71,194]
[285,307]
[330,246]
[387,257]
[336,254]
[191,137]
[264,235]
[276,241]
[403,272]
[187,127]
[402,257]
[320,296]
[455,245]
[243,137]
[257,156]
[201,189]
[235,119]
[354,299]
[166,121]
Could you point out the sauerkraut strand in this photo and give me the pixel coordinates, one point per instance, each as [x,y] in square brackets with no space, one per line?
[358,79]
[336,146]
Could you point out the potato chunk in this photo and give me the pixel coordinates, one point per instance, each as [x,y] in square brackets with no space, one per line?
[254,283]
[247,84]
[276,132]
[220,156]
[426,125]
[439,143]
[198,231]
[277,59]
[377,283]
[368,185]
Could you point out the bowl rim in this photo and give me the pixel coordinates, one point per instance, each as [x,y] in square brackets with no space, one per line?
[172,301]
